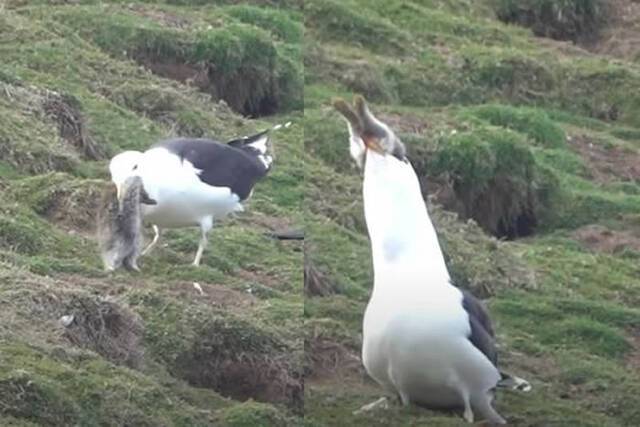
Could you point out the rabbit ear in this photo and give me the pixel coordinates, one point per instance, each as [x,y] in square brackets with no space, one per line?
[145,199]
[371,125]
[348,113]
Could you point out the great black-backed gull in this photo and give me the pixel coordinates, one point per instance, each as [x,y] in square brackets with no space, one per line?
[424,340]
[195,181]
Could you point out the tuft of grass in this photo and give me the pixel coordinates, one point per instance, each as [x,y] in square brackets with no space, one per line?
[250,414]
[279,21]
[367,30]
[532,122]
[496,178]
[239,63]
[77,388]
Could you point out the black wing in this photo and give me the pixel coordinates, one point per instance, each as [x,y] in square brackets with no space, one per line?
[482,334]
[222,165]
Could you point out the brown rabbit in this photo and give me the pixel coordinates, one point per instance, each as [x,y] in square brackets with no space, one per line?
[120,225]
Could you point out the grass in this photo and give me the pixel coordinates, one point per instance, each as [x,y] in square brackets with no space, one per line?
[491,111]
[490,115]
[145,349]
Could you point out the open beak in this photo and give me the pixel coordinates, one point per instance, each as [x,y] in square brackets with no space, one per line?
[373,144]
[362,122]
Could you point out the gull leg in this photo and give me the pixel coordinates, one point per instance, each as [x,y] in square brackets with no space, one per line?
[468,412]
[381,403]
[205,227]
[482,405]
[153,243]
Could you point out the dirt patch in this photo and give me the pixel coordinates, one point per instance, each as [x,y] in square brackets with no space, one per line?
[326,358]
[192,74]
[578,21]
[564,47]
[243,361]
[102,325]
[213,295]
[72,204]
[111,287]
[65,111]
[316,283]
[61,109]
[607,164]
[272,223]
[621,38]
[405,123]
[601,239]
[633,357]
[258,277]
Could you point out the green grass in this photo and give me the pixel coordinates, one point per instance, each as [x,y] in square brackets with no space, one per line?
[489,109]
[483,107]
[533,123]
[91,54]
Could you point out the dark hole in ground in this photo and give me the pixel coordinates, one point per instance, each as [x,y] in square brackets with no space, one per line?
[246,92]
[496,210]
[66,112]
[523,225]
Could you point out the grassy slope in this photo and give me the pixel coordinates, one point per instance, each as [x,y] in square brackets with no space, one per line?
[572,329]
[164,372]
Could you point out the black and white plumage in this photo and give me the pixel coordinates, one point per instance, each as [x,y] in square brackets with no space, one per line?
[195,181]
[120,225]
[424,339]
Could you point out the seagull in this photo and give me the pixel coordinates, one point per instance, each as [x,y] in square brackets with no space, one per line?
[424,340]
[195,181]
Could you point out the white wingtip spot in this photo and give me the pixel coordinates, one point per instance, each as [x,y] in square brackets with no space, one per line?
[280,126]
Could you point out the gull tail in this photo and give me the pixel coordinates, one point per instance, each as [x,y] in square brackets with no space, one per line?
[514,383]
[259,141]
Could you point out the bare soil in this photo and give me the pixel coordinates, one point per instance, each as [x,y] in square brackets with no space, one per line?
[215,295]
[633,356]
[326,358]
[621,39]
[601,239]
[607,164]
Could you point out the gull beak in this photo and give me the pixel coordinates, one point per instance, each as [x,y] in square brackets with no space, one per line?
[119,194]
[362,122]
[373,144]
[119,191]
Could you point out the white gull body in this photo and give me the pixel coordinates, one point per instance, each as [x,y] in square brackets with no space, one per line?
[183,199]
[194,181]
[416,330]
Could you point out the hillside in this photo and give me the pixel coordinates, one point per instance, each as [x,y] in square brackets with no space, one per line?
[528,148]
[521,118]
[79,82]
